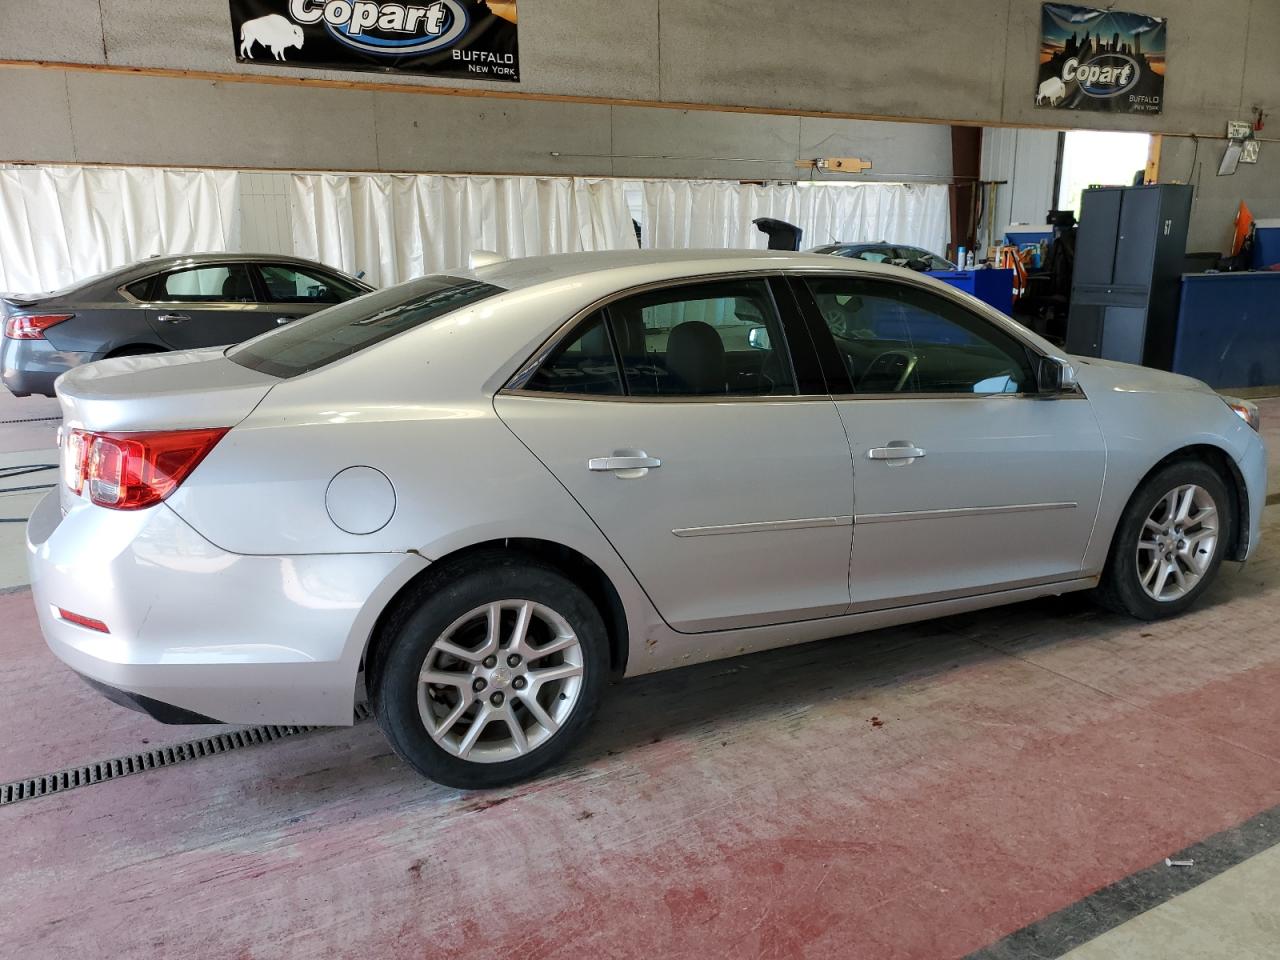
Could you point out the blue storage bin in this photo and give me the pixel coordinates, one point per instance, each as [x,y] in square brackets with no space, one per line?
[990,286]
[1266,244]
[1021,238]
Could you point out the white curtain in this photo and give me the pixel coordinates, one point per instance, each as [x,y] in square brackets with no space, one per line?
[61,224]
[395,227]
[717,213]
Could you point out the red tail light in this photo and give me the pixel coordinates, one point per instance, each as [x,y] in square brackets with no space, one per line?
[129,471]
[31,326]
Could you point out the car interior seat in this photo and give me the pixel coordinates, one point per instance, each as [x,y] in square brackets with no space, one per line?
[237,286]
[695,354]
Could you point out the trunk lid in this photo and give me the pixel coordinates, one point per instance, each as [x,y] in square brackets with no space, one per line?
[169,391]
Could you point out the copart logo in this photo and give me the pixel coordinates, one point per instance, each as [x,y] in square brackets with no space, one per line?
[386,29]
[1105,76]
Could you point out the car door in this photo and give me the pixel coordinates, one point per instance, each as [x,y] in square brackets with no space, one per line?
[715,465]
[966,479]
[291,291]
[207,306]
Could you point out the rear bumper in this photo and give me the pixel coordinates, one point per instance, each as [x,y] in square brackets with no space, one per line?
[31,366]
[163,712]
[200,631]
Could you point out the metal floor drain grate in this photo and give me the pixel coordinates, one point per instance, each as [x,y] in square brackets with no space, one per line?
[104,770]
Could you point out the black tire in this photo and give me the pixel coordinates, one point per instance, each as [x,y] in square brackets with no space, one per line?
[435,604]
[1121,589]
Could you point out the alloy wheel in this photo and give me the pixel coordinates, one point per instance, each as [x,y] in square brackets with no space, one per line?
[500,681]
[1177,542]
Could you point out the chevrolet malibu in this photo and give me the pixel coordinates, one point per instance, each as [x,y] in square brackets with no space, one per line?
[472,498]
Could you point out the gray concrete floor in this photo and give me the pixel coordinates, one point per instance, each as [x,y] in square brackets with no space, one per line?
[1028,756]
[1234,916]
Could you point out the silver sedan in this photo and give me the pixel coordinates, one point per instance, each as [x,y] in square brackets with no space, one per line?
[472,498]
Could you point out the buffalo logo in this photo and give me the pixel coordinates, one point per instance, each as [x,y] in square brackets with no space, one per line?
[1105,76]
[385,29]
[274,32]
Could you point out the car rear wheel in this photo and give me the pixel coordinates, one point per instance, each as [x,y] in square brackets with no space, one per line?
[1170,542]
[490,674]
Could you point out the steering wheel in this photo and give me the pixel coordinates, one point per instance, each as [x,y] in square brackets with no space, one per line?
[895,366]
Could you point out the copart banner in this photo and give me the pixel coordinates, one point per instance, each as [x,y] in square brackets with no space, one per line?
[467,39]
[1102,60]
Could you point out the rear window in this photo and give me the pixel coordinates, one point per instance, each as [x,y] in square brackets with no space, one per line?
[348,328]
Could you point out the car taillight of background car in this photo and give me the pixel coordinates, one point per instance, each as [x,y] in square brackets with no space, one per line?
[31,326]
[130,471]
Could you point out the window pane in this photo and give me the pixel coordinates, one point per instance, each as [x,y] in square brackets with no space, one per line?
[874,256]
[897,338]
[350,327]
[583,365]
[291,285]
[705,339]
[225,282]
[140,289]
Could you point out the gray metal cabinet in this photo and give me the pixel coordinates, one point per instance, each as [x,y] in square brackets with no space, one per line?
[1130,253]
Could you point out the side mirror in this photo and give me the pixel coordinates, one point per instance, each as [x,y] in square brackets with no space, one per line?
[758,338]
[1053,377]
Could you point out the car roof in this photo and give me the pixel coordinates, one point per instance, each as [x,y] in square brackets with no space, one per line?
[168,261]
[103,283]
[629,267]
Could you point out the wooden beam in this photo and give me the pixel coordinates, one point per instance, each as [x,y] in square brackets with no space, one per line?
[1153,159]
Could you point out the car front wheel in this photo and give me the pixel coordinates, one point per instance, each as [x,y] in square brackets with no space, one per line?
[1170,542]
[490,673]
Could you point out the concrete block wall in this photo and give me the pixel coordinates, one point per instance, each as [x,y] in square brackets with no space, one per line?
[76,116]
[928,59]
[1218,198]
[910,59]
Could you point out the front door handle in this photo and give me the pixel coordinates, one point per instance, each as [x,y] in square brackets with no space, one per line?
[898,451]
[625,463]
[281,321]
[173,318]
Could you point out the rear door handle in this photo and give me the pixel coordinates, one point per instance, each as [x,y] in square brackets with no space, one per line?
[897,450]
[173,318]
[622,463]
[281,321]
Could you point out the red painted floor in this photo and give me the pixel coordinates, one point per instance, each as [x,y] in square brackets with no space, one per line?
[913,793]
[917,792]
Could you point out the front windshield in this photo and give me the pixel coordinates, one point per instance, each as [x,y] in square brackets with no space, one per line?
[350,327]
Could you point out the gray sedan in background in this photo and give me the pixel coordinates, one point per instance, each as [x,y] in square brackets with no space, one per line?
[157,305]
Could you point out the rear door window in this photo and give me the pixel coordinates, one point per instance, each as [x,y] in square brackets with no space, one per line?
[722,338]
[350,327]
[220,283]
